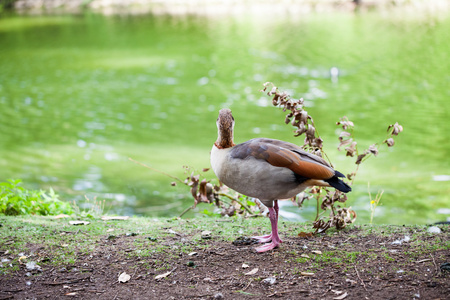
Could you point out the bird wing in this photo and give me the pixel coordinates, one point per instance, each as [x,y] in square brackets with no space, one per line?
[286,155]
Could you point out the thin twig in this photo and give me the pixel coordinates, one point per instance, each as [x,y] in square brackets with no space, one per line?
[67,281]
[435,265]
[186,210]
[357,273]
[156,170]
[237,200]
[250,281]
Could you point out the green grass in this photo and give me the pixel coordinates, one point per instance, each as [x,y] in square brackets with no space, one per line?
[62,244]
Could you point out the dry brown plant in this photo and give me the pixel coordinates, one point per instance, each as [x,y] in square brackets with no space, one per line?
[327,200]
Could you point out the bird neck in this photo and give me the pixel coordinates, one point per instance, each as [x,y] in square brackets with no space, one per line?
[225,139]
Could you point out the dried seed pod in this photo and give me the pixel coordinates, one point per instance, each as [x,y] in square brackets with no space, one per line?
[351,150]
[343,143]
[390,142]
[273,91]
[287,120]
[304,117]
[373,149]
[397,128]
[359,159]
[343,135]
[310,132]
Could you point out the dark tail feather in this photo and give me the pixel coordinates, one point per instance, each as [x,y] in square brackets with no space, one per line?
[339,184]
[338,174]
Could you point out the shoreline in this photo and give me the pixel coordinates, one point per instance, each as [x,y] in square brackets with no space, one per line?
[225,7]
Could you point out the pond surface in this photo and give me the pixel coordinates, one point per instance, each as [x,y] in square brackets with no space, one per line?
[81,94]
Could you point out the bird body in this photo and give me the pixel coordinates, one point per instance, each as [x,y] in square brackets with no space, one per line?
[244,169]
[268,169]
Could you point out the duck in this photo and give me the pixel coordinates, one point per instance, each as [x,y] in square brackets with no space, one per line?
[269,170]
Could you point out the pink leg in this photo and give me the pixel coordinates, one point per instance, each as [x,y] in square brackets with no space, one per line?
[274,236]
[268,237]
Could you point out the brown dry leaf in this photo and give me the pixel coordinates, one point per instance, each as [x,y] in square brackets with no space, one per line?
[317,252]
[343,143]
[305,235]
[344,134]
[71,294]
[359,160]
[304,255]
[340,297]
[158,277]
[108,218]
[351,150]
[252,272]
[205,169]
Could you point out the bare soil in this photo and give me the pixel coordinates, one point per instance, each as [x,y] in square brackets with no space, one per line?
[351,264]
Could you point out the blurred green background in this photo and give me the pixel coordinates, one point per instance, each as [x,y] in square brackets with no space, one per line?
[80,94]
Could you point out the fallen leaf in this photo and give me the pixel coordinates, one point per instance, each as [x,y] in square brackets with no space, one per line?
[305,235]
[76,223]
[317,252]
[163,275]
[307,274]
[192,253]
[423,260]
[124,277]
[245,266]
[172,231]
[107,218]
[304,255]
[341,296]
[252,271]
[72,294]
[110,229]
[22,258]
[32,266]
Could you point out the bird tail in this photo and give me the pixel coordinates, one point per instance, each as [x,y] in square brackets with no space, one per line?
[338,183]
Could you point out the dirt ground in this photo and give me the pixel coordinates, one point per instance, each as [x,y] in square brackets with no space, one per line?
[344,265]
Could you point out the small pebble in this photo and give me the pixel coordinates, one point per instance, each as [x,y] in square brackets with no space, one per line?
[269,280]
[206,235]
[218,296]
[434,229]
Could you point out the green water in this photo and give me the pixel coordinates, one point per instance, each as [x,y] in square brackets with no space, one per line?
[81,94]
